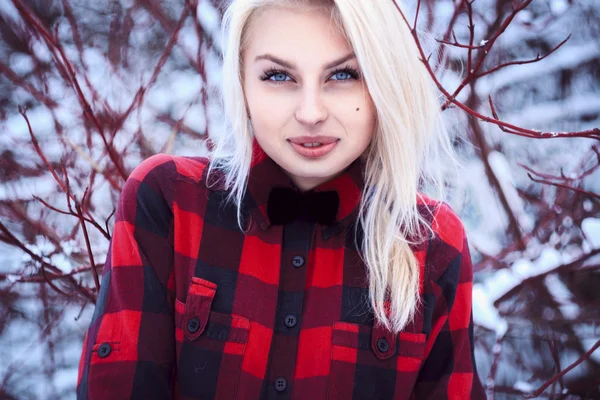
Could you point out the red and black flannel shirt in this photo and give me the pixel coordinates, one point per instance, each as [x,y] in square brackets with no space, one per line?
[191,307]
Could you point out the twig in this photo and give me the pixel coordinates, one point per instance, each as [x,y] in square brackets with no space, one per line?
[564,371]
[564,186]
[536,59]
[89,248]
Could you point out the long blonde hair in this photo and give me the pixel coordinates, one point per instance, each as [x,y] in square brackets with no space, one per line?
[409,140]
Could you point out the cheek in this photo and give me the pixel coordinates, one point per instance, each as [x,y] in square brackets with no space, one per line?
[361,124]
[266,110]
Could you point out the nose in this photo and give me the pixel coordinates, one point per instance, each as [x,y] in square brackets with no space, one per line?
[312,109]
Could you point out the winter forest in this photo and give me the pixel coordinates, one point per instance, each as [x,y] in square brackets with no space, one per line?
[89,89]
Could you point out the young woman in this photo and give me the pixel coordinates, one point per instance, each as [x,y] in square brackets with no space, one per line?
[300,260]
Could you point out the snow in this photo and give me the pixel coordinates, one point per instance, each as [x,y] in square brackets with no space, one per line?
[195,119]
[559,7]
[547,113]
[208,17]
[188,41]
[41,51]
[26,188]
[587,344]
[549,259]
[483,198]
[500,283]
[484,312]
[502,170]
[591,230]
[562,295]
[524,387]
[21,64]
[40,119]
[525,16]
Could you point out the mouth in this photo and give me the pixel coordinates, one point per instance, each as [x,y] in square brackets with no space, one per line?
[313,146]
[313,141]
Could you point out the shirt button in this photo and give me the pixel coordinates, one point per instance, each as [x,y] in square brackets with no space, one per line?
[298,261]
[290,321]
[280,384]
[104,350]
[193,325]
[383,345]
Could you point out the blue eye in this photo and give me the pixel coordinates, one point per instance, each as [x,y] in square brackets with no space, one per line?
[341,74]
[279,77]
[346,73]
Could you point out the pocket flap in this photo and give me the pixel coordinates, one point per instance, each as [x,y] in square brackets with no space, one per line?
[405,344]
[198,303]
[383,342]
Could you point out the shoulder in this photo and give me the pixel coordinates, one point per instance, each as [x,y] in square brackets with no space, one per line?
[445,222]
[157,176]
[165,166]
[448,246]
[448,227]
[164,169]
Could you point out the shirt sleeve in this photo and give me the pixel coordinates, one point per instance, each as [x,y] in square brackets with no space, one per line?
[129,348]
[449,369]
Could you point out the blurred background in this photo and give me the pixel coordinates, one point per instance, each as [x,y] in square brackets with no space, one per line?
[88,89]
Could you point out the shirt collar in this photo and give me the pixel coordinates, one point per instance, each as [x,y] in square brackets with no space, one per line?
[266,174]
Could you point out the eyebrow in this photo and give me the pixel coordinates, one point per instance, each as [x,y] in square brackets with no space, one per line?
[291,65]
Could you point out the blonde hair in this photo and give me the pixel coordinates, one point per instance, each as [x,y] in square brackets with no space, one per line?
[410,138]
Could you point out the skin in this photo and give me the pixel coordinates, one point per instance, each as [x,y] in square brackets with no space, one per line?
[305,98]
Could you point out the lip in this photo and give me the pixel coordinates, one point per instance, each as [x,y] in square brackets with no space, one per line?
[314,152]
[313,139]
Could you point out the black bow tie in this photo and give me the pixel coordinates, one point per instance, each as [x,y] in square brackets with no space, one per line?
[286,205]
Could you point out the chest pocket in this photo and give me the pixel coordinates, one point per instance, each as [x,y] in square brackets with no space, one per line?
[372,363]
[210,345]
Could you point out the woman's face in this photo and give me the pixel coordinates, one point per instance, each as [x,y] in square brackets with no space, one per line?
[309,107]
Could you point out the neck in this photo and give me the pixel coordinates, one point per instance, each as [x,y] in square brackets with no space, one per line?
[306,184]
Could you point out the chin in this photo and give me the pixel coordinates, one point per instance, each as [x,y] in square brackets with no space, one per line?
[323,170]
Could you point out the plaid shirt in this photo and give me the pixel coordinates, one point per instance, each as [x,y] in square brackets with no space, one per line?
[190,307]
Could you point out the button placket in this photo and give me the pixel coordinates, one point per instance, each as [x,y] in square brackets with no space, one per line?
[295,247]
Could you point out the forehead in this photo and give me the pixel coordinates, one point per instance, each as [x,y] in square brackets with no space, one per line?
[294,32]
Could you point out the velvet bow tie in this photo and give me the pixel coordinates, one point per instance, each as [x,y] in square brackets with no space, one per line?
[286,205]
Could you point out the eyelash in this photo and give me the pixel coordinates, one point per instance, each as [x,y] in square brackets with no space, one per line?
[266,76]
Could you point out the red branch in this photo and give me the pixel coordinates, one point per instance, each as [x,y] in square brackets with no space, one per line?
[64,187]
[12,239]
[564,371]
[55,47]
[451,98]
[536,59]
